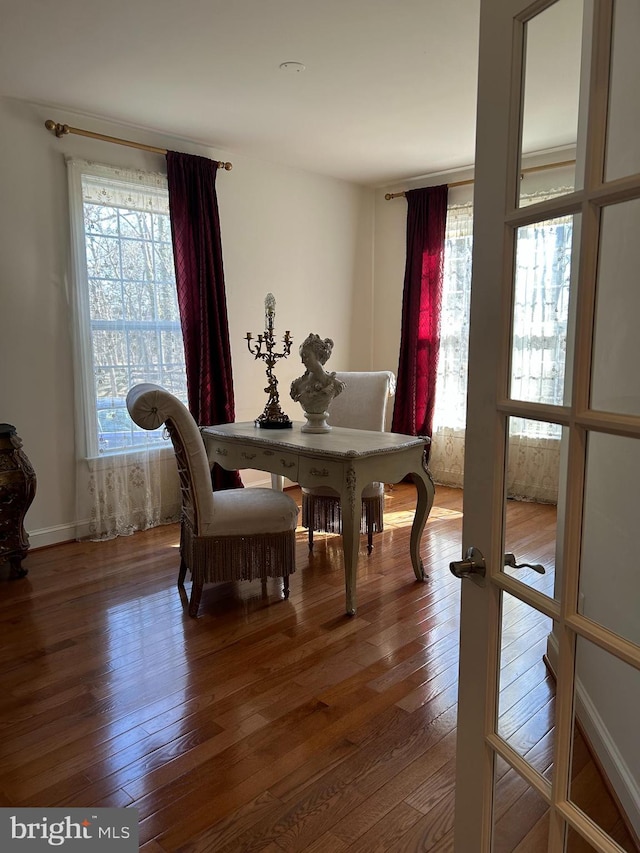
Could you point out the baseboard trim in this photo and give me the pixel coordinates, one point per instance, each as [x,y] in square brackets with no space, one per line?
[57,534]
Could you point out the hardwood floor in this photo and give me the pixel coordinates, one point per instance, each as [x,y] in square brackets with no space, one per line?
[265,724]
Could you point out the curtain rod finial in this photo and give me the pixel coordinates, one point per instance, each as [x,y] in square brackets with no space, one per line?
[58,129]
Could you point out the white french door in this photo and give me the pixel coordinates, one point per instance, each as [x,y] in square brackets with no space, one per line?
[517,782]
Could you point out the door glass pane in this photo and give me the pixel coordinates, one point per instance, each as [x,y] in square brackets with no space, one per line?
[540,324]
[609,574]
[535,459]
[527,691]
[623,152]
[577,844]
[520,814]
[552,82]
[606,751]
[615,380]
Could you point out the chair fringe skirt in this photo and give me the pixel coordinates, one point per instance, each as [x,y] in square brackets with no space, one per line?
[323,513]
[227,558]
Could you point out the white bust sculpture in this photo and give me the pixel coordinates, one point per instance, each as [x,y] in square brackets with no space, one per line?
[316,388]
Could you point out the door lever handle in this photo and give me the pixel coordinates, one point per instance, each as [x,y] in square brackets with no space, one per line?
[510,561]
[473,564]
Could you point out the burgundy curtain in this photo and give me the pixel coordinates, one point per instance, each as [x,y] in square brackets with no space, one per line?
[197,249]
[421,302]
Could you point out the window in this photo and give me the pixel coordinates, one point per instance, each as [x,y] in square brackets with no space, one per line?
[128,324]
[543,259]
[541,312]
[451,389]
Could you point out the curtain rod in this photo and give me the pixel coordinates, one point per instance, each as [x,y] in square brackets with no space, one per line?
[466,183]
[62,129]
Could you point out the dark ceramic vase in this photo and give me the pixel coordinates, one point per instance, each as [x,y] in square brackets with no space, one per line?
[17,490]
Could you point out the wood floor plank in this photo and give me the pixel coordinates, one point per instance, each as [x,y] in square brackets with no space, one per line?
[397,788]
[385,831]
[429,832]
[536,840]
[511,830]
[152,847]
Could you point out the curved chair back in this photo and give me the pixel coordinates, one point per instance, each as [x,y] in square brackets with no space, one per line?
[363,402]
[150,406]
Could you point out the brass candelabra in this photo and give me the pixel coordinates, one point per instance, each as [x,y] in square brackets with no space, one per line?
[272,417]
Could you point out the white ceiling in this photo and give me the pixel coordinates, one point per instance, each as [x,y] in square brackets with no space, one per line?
[388,92]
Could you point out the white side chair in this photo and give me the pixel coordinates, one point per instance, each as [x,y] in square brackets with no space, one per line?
[229,535]
[361,405]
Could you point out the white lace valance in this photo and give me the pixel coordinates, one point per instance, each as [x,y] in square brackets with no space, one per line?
[118,187]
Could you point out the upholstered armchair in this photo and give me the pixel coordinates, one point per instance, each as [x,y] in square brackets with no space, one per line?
[361,405]
[235,534]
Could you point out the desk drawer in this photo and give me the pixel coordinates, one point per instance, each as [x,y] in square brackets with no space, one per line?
[232,455]
[320,472]
[227,456]
[277,462]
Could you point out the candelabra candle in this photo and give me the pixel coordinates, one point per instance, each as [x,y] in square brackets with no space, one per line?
[270,311]
[273,417]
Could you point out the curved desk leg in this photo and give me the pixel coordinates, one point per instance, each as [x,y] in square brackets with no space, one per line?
[350,498]
[426,494]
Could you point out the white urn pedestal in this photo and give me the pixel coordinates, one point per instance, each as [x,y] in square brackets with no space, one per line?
[316,422]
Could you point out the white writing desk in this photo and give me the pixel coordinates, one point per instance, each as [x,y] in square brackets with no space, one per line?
[344,459]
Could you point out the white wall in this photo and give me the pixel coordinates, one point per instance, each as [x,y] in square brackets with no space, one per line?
[305,238]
